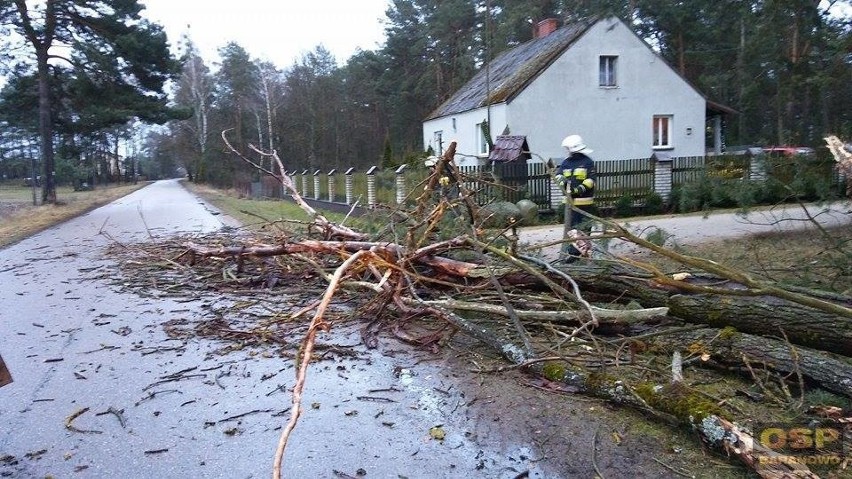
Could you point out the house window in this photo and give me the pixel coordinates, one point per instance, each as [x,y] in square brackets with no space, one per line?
[481,140]
[662,131]
[606,73]
[439,142]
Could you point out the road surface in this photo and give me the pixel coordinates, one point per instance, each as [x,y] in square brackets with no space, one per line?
[101,390]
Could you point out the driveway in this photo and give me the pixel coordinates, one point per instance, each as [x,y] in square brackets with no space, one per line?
[696,228]
[101,390]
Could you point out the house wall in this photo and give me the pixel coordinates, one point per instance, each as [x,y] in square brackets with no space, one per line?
[616,122]
[461,128]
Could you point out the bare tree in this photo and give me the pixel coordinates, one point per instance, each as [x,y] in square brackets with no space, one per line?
[195,89]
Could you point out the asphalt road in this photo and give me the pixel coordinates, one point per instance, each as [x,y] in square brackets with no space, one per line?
[85,352]
[101,390]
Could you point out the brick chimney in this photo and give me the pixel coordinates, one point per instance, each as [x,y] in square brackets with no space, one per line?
[545,27]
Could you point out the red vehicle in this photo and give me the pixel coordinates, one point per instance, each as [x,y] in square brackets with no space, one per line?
[789,150]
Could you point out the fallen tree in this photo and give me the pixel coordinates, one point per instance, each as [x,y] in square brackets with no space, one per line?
[723,303]
[731,348]
[414,275]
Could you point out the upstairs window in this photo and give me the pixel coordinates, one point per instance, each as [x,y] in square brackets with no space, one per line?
[662,131]
[439,142]
[607,70]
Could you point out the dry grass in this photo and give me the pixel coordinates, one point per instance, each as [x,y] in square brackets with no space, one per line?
[20,219]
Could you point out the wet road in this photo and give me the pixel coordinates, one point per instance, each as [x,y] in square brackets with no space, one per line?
[77,344]
[102,390]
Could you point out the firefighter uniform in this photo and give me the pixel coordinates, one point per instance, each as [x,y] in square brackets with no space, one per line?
[576,175]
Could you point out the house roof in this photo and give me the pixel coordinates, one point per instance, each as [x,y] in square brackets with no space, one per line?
[509,148]
[511,71]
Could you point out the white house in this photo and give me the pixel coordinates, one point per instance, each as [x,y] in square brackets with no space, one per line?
[595,78]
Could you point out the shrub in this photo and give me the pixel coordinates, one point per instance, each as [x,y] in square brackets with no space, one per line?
[623,206]
[658,236]
[654,204]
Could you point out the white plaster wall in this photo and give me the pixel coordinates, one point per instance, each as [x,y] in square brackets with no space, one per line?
[615,122]
[464,133]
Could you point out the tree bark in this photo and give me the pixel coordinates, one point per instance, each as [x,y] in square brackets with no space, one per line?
[767,316]
[674,403]
[760,315]
[728,348]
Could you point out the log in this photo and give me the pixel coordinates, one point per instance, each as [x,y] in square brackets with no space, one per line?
[732,348]
[767,316]
[759,315]
[674,403]
[605,316]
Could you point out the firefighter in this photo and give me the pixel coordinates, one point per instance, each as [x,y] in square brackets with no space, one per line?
[576,175]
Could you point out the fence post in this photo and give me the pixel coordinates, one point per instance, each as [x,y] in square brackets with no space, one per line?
[350,189]
[400,185]
[371,186]
[756,165]
[304,183]
[331,184]
[662,174]
[317,185]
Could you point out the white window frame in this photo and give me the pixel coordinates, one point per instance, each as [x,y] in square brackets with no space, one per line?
[481,141]
[438,140]
[608,71]
[661,128]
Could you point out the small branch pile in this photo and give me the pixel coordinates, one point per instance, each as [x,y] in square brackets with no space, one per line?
[437,262]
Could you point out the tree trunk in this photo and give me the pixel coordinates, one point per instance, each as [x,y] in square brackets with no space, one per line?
[729,348]
[674,403]
[45,126]
[767,317]
[761,315]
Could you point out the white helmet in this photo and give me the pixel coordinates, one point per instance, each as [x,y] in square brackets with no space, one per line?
[574,144]
[431,161]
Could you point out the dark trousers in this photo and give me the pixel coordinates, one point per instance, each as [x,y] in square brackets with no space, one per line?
[581,222]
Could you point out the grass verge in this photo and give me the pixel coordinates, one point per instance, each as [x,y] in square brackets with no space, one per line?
[19,219]
[256,215]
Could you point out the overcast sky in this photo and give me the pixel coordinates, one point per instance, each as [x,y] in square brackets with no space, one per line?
[280,31]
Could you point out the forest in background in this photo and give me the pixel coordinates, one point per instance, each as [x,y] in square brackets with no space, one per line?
[784,65]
